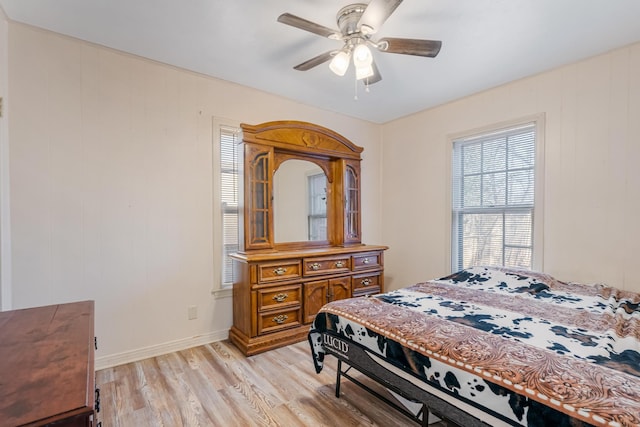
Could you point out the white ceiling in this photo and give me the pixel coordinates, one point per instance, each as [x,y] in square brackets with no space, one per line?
[485,43]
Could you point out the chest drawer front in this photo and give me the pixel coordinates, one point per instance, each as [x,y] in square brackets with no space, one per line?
[367,260]
[366,283]
[282,296]
[327,265]
[280,319]
[276,271]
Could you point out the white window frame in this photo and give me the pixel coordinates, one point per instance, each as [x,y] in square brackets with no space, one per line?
[220,126]
[538,121]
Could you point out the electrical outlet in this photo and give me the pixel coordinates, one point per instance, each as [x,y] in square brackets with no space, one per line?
[193,312]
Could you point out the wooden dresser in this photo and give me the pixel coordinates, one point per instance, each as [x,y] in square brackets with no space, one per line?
[47,373]
[300,243]
[277,295]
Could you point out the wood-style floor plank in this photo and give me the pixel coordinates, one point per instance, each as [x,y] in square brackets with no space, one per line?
[216,385]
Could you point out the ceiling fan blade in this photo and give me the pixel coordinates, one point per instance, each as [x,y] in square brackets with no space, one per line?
[312,27]
[315,61]
[429,48]
[376,13]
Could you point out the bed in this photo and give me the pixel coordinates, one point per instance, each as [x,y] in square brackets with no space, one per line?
[493,346]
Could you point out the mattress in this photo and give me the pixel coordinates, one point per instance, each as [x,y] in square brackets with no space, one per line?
[514,347]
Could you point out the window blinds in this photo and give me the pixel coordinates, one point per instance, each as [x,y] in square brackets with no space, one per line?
[229,198]
[493,198]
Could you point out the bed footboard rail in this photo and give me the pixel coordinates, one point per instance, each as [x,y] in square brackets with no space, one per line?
[355,357]
[422,417]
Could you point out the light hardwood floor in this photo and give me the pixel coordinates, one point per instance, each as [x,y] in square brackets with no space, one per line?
[215,385]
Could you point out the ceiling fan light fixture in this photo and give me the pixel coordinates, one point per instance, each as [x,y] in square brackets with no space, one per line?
[364,72]
[362,56]
[340,63]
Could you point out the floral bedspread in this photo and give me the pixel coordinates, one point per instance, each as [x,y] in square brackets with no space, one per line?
[555,352]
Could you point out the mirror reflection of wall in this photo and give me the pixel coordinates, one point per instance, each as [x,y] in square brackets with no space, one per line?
[299,202]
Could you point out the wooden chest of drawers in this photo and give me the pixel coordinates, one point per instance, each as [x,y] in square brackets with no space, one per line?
[47,373]
[277,294]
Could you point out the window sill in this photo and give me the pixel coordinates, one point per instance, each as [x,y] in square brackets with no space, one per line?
[222,293]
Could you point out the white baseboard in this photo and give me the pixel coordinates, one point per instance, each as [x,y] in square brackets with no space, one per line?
[111,360]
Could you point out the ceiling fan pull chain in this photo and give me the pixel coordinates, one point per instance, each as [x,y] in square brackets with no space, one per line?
[355,89]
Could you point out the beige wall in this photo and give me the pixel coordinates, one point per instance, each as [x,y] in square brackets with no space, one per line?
[5,232]
[111,184]
[592,180]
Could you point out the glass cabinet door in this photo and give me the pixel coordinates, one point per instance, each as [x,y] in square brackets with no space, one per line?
[259,203]
[352,206]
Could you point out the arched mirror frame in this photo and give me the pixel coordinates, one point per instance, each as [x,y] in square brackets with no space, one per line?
[264,148]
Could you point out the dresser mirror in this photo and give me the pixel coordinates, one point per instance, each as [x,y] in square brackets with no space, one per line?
[299,202]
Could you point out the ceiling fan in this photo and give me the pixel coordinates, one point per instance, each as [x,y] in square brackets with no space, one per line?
[358,23]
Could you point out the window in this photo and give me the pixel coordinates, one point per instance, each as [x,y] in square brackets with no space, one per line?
[493,198]
[226,136]
[317,190]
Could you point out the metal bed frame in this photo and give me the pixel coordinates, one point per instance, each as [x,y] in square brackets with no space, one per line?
[355,357]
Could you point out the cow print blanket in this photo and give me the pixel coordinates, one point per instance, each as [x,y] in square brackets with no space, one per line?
[528,348]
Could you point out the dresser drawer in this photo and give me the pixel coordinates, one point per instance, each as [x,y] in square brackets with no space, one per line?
[283,270]
[280,319]
[282,296]
[367,260]
[366,284]
[327,265]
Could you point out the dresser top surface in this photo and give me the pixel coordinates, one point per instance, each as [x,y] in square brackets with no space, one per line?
[257,256]
[46,362]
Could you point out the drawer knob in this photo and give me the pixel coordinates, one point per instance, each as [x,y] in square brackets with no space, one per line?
[339,264]
[280,297]
[280,319]
[366,282]
[315,266]
[365,261]
[279,271]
